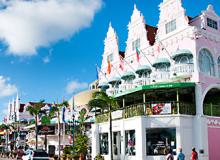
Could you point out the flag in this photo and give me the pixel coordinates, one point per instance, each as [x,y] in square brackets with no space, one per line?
[97,72]
[121,65]
[109,67]
[138,54]
[63,114]
[158,48]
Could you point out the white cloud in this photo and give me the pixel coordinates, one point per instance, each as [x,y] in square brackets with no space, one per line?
[6,89]
[75,86]
[28,25]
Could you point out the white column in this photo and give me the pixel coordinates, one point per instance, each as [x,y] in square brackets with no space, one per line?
[140,140]
[122,140]
[200,125]
[95,140]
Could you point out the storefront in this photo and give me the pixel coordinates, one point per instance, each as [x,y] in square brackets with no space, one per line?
[143,137]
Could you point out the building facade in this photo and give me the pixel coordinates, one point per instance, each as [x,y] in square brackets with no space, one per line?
[167,83]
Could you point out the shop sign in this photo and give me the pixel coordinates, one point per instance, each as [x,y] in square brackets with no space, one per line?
[117,114]
[161,108]
[44,129]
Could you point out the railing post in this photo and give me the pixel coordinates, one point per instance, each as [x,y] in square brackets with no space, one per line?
[211,109]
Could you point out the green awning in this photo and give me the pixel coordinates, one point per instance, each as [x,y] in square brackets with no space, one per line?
[182,52]
[159,61]
[143,68]
[157,86]
[128,75]
[103,85]
[114,80]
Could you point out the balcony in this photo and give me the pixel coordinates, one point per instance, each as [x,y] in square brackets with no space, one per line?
[142,81]
[182,70]
[160,76]
[126,86]
[112,91]
[152,108]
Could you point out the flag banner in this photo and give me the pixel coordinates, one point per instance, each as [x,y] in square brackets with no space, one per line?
[63,114]
[109,67]
[158,48]
[138,54]
[161,108]
[121,65]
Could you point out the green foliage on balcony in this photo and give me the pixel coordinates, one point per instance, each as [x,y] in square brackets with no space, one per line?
[102,118]
[212,109]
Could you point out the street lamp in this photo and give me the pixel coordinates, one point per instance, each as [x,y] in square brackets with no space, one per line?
[73,127]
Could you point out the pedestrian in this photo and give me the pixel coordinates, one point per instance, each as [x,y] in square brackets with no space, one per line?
[20,153]
[194,155]
[180,155]
[170,155]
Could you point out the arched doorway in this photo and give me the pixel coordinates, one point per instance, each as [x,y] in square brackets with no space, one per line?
[211,103]
[211,108]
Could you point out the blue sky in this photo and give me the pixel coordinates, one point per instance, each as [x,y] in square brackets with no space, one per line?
[49,49]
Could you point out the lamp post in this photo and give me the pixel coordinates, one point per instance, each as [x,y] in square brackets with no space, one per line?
[73,127]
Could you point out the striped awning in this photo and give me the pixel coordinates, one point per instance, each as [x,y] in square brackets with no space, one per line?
[128,75]
[181,52]
[103,85]
[114,80]
[159,61]
[143,68]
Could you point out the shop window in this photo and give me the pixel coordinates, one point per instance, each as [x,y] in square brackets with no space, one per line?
[160,141]
[136,44]
[212,23]
[170,26]
[103,142]
[130,142]
[206,63]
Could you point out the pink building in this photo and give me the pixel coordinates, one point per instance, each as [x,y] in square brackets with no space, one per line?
[167,83]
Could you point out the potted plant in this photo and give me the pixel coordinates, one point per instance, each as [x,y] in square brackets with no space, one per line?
[99,157]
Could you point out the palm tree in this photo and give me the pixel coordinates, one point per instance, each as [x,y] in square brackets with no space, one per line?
[104,102]
[34,110]
[56,109]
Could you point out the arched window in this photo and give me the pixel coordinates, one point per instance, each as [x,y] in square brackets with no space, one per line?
[219,66]
[206,63]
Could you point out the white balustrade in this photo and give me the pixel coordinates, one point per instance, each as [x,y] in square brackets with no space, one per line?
[126,86]
[112,91]
[182,69]
[142,81]
[160,76]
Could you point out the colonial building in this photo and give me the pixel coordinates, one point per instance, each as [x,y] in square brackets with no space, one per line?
[167,83]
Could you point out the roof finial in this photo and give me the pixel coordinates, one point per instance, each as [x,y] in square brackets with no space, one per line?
[135,6]
[110,24]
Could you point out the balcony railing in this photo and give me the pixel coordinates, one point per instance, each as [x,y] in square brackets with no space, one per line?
[160,76]
[152,108]
[126,86]
[182,69]
[112,91]
[142,81]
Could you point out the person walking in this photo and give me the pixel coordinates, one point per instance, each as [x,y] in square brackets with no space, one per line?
[180,155]
[194,155]
[170,155]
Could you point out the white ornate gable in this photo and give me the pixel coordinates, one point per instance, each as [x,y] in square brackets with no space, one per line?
[171,10]
[136,30]
[111,47]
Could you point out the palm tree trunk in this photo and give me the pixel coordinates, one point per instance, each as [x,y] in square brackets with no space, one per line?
[110,128]
[36,144]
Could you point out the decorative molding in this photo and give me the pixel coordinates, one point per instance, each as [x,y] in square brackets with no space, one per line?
[213,122]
